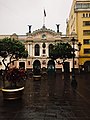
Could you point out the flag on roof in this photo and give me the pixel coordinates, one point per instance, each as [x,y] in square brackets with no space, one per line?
[44,13]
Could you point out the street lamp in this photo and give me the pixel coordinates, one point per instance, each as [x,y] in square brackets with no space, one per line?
[73,40]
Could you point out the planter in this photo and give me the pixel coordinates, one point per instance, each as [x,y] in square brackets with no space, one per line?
[37,77]
[12,94]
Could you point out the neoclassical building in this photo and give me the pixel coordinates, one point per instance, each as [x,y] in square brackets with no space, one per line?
[39,43]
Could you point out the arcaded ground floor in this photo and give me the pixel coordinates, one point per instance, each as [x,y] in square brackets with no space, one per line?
[51,98]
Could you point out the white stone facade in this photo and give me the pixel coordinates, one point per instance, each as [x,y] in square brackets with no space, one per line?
[39,38]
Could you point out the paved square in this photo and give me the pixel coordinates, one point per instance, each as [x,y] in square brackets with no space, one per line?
[51,98]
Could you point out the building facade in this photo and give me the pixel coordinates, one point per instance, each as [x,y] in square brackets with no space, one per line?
[39,43]
[79,24]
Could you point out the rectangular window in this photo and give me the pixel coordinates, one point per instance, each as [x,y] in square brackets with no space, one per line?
[86,41]
[83,15]
[86,14]
[0,63]
[86,23]
[82,5]
[75,62]
[28,62]
[43,51]
[86,51]
[78,6]
[13,63]
[85,6]
[86,32]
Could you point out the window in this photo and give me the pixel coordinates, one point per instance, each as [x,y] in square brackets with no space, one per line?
[86,14]
[82,5]
[78,6]
[86,23]
[37,50]
[43,51]
[86,41]
[83,15]
[13,63]
[28,62]
[43,45]
[86,51]
[86,32]
[85,6]
[43,36]
[75,62]
[0,63]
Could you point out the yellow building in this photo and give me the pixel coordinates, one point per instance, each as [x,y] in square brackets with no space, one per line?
[79,24]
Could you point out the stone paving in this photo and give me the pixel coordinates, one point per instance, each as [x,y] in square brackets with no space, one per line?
[51,98]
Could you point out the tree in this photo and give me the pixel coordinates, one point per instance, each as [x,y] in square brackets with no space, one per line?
[13,50]
[62,51]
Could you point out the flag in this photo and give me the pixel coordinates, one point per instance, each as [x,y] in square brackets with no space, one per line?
[44,13]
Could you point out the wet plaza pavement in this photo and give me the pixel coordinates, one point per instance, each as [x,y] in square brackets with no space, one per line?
[51,98]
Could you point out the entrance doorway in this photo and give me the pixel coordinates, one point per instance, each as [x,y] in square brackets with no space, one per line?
[87,66]
[51,66]
[22,65]
[37,67]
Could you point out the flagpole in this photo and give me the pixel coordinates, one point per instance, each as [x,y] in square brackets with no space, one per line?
[43,21]
[44,18]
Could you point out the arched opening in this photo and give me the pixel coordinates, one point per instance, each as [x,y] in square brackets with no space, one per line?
[22,65]
[36,67]
[87,66]
[51,66]
[37,50]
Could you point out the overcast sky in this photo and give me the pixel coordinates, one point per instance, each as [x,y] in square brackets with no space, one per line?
[16,15]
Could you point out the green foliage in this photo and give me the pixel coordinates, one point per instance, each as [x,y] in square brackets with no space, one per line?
[62,51]
[12,49]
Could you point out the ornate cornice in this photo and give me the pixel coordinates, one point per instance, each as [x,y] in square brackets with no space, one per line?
[42,30]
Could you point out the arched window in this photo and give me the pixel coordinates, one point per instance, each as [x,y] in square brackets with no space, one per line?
[50,48]
[43,45]
[37,50]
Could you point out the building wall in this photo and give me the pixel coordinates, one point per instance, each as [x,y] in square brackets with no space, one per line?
[79,23]
[39,37]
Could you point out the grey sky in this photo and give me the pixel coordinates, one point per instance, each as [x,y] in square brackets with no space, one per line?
[15,15]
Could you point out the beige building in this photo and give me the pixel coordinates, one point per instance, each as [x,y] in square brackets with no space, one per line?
[79,24]
[38,44]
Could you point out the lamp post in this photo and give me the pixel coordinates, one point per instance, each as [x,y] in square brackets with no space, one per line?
[74,82]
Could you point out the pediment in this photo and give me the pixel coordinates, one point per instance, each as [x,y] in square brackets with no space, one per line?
[42,33]
[44,30]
